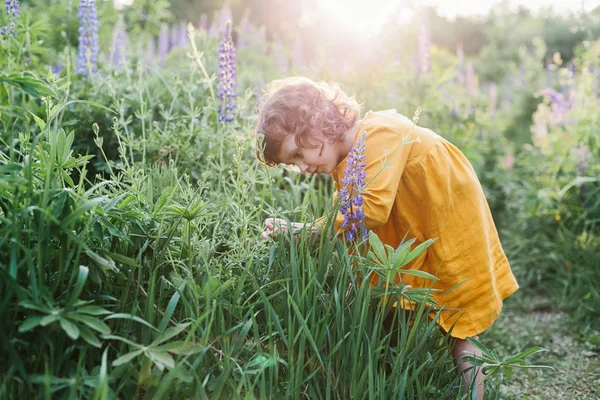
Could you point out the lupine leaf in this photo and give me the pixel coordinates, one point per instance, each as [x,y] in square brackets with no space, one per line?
[126,358]
[70,328]
[30,323]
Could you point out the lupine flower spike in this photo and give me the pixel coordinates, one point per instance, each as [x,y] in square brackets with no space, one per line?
[351,192]
[12,12]
[88,37]
[424,53]
[227,76]
[163,41]
[120,45]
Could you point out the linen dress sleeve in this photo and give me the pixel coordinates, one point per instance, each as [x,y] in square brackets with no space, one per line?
[386,153]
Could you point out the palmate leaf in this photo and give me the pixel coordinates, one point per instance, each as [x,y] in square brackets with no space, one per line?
[170,333]
[91,322]
[181,347]
[34,306]
[161,359]
[130,317]
[28,84]
[418,273]
[377,247]
[70,328]
[416,252]
[93,310]
[127,357]
[30,323]
[88,335]
[49,319]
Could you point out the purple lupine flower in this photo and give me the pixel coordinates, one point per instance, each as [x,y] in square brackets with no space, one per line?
[183,38]
[559,104]
[493,99]
[594,85]
[279,52]
[13,10]
[150,52]
[470,79]
[298,54]
[88,37]
[460,59]
[582,160]
[203,23]
[120,45]
[213,30]
[460,54]
[471,83]
[352,189]
[225,16]
[424,53]
[549,73]
[227,76]
[163,41]
[173,37]
[57,69]
[244,28]
[522,73]
[509,161]
[178,35]
[540,129]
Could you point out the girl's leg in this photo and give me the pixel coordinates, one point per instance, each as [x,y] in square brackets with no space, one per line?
[463,348]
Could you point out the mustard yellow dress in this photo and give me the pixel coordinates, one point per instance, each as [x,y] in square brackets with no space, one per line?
[429,190]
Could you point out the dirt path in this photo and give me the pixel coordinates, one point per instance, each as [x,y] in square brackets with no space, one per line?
[528,321]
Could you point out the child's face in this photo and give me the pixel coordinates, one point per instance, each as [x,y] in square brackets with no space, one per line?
[319,160]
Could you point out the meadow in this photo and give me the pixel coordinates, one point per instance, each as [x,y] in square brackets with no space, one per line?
[132,204]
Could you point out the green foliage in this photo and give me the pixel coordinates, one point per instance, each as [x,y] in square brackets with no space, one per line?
[130,220]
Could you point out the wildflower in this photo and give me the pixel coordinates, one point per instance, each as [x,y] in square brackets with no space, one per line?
[280,54]
[460,58]
[88,37]
[549,73]
[559,104]
[493,98]
[227,75]
[120,45]
[471,80]
[298,55]
[150,53]
[522,73]
[509,161]
[244,29]
[471,83]
[351,192]
[12,12]
[203,23]
[163,41]
[219,21]
[582,160]
[178,35]
[424,46]
[582,169]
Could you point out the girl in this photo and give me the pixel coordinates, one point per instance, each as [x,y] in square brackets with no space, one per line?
[428,189]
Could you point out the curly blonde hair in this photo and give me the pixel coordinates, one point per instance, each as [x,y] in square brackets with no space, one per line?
[301,107]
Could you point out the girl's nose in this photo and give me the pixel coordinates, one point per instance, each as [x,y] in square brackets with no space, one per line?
[303,167]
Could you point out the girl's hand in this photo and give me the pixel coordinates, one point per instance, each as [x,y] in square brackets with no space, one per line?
[275,225]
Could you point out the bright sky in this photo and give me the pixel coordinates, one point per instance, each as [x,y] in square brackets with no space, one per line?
[475,7]
[353,14]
